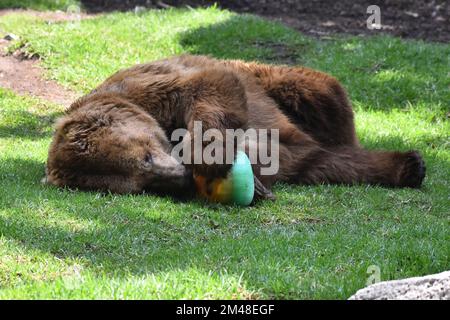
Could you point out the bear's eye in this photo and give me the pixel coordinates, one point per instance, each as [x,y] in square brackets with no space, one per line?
[148,159]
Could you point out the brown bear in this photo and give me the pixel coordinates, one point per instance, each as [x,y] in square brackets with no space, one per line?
[116,138]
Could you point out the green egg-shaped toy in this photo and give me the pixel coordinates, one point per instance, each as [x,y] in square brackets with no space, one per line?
[242,180]
[237,188]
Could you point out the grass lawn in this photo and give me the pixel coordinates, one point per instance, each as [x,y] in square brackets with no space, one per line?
[313,242]
[40,4]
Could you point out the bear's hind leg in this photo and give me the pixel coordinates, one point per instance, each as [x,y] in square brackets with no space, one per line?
[346,165]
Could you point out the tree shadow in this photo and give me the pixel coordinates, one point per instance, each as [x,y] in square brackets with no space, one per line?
[377,84]
[96,6]
[18,172]
[245,37]
[26,124]
[127,240]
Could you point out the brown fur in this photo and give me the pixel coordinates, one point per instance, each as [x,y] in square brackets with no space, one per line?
[116,137]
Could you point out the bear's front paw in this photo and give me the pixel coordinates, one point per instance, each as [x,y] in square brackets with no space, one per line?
[413,170]
[212,171]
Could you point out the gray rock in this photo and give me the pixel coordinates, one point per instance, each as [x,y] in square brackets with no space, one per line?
[139,9]
[431,287]
[10,37]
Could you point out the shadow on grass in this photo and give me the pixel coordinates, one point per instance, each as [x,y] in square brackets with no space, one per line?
[117,235]
[376,83]
[28,125]
[245,37]
[124,238]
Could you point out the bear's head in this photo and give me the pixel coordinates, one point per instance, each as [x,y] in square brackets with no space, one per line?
[107,143]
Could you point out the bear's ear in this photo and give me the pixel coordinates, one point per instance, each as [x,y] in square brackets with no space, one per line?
[73,133]
[62,126]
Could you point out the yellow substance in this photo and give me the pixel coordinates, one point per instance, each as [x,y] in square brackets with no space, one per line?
[218,190]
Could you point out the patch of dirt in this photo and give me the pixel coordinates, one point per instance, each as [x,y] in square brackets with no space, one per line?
[427,20]
[50,16]
[22,74]
[25,77]
[416,19]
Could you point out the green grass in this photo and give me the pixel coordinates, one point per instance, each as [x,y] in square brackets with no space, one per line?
[39,4]
[313,242]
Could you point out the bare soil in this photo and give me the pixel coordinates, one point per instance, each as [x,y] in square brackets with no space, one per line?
[50,16]
[427,20]
[417,19]
[23,74]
